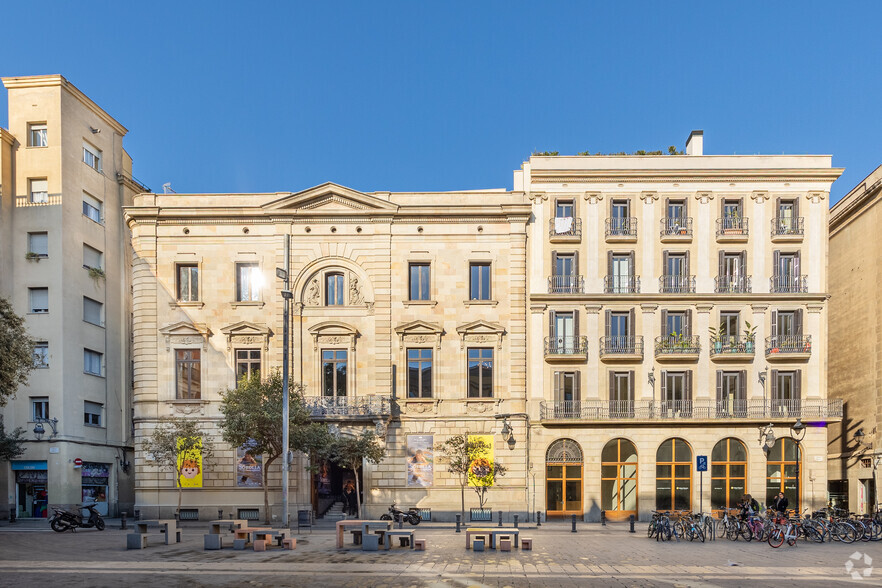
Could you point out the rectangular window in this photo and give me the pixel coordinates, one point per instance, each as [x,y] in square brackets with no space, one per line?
[419,373]
[188,282]
[787,324]
[567,387]
[92,362]
[334,372]
[786,392]
[92,311]
[675,324]
[92,413]
[620,324]
[479,288]
[564,209]
[39,407]
[39,191]
[334,289]
[41,354]
[247,363]
[419,281]
[92,207]
[188,374]
[38,244]
[729,325]
[92,156]
[621,394]
[92,258]
[675,264]
[39,299]
[732,210]
[676,209]
[248,281]
[480,373]
[37,135]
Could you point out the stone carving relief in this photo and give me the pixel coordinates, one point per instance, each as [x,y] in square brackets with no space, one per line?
[355,296]
[479,407]
[704,197]
[332,340]
[312,296]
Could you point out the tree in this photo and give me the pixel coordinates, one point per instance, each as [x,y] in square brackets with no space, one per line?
[484,473]
[350,452]
[315,441]
[11,445]
[458,452]
[175,441]
[16,352]
[252,416]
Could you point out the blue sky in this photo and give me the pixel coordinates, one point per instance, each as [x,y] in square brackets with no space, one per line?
[256,96]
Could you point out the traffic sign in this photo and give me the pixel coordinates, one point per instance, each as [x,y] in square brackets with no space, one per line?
[78,463]
[701,464]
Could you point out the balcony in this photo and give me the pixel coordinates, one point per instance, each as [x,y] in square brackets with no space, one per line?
[566,348]
[351,408]
[676,229]
[621,284]
[704,409]
[788,284]
[622,348]
[732,229]
[732,285]
[677,348]
[731,349]
[788,229]
[565,229]
[621,229]
[676,284]
[566,285]
[788,347]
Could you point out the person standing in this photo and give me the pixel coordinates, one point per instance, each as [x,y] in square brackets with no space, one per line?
[781,504]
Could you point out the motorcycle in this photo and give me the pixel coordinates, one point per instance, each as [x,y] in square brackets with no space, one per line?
[412,516]
[67,520]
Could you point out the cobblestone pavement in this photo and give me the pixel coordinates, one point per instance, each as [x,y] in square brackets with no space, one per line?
[595,556]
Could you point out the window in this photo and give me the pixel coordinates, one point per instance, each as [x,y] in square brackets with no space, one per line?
[781,465]
[92,362]
[564,209]
[618,477]
[334,289]
[728,473]
[419,373]
[39,190]
[39,299]
[247,363]
[620,271]
[564,335]
[479,287]
[729,322]
[673,476]
[92,207]
[565,270]
[419,281]
[92,156]
[620,223]
[92,413]
[786,392]
[334,372]
[566,387]
[676,323]
[675,264]
[732,393]
[787,221]
[676,278]
[92,311]
[41,354]
[676,393]
[621,394]
[248,282]
[188,374]
[187,282]
[37,135]
[676,210]
[39,407]
[91,257]
[38,244]
[480,373]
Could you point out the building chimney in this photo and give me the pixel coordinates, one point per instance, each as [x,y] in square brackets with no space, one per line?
[695,143]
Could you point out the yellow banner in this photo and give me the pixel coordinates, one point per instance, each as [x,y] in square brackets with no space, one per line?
[481,466]
[190,464]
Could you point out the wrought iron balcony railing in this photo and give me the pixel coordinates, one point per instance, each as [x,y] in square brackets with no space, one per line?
[731,345]
[622,345]
[732,284]
[566,345]
[788,284]
[565,227]
[788,344]
[733,226]
[677,345]
[788,226]
[676,284]
[348,406]
[623,226]
[676,226]
[566,285]
[702,409]
[621,284]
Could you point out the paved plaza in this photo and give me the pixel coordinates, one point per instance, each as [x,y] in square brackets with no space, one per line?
[595,556]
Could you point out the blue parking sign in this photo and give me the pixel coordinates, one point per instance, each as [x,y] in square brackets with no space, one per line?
[701,464]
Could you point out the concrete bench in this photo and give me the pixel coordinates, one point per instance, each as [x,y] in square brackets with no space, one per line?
[169,527]
[370,542]
[505,545]
[526,544]
[213,541]
[289,543]
[478,545]
[402,535]
[419,544]
[136,541]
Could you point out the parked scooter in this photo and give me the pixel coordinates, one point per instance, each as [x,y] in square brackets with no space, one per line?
[68,520]
[412,516]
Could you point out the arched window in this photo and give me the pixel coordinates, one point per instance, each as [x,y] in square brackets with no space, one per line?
[618,479]
[673,475]
[563,478]
[728,473]
[781,473]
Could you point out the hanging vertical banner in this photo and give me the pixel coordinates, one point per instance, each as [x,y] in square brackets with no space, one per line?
[420,461]
[249,469]
[481,467]
[190,464]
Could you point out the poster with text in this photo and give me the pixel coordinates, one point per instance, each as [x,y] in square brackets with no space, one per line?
[249,469]
[420,461]
[481,466]
[190,464]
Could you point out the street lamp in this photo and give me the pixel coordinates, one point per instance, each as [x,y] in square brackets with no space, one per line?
[287,295]
[39,430]
[798,430]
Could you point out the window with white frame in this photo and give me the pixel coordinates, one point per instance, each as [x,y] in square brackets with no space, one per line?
[92,413]
[38,244]
[248,282]
[92,362]
[188,282]
[91,257]
[92,207]
[92,156]
[39,190]
[41,354]
[39,407]
[92,311]
[37,136]
[39,299]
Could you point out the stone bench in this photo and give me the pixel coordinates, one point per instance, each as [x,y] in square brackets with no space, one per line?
[136,541]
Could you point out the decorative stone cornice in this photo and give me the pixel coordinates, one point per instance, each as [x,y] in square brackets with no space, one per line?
[246,333]
[814,308]
[759,308]
[704,197]
[648,308]
[593,308]
[816,197]
[480,332]
[537,197]
[186,333]
[704,308]
[333,333]
[648,197]
[538,308]
[759,196]
[592,197]
[419,332]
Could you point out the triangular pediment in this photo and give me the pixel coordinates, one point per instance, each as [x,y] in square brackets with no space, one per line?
[419,328]
[331,198]
[245,328]
[478,327]
[184,328]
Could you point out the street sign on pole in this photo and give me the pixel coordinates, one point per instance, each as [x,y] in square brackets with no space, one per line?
[701,466]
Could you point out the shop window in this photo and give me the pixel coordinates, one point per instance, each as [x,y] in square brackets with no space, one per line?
[728,473]
[673,476]
[618,473]
[781,472]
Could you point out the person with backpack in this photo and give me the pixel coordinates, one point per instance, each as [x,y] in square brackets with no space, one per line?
[754,504]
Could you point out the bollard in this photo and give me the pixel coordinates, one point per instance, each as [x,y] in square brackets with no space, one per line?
[220,513]
[137,515]
[177,514]
[400,521]
[458,522]
[515,518]
[603,518]
[122,522]
[631,520]
[500,519]
[574,523]
[538,518]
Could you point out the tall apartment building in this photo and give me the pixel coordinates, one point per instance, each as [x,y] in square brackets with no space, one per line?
[64,265]
[677,304]
[855,374]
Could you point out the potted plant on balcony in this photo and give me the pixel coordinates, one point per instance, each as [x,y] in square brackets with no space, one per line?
[732,223]
[716,337]
[749,336]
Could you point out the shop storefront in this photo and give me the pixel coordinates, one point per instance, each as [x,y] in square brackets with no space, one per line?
[31,489]
[95,481]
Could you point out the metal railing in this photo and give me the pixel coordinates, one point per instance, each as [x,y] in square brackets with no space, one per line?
[669,284]
[624,226]
[732,284]
[566,285]
[622,345]
[732,225]
[566,345]
[702,409]
[676,226]
[788,284]
[677,345]
[556,228]
[724,345]
[794,226]
[621,284]
[788,344]
[348,406]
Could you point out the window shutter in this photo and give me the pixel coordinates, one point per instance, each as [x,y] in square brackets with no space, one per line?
[722,258]
[558,389]
[720,395]
[777,208]
[743,264]
[575,271]
[632,325]
[664,385]
[609,265]
[664,323]
[665,263]
[688,327]
[632,270]
[742,385]
[631,386]
[608,323]
[797,384]
[554,263]
[796,272]
[577,386]
[774,384]
[798,321]
[774,325]
[688,378]
[776,262]
[667,210]
[551,327]
[795,209]
[612,386]
[576,327]
[686,265]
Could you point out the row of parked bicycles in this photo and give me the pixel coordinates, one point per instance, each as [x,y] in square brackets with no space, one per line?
[825,525]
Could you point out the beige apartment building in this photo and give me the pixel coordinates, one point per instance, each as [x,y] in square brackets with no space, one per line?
[855,375]
[65,266]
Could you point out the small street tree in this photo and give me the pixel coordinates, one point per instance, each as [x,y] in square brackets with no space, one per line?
[178,440]
[16,352]
[458,452]
[315,441]
[484,473]
[351,451]
[11,445]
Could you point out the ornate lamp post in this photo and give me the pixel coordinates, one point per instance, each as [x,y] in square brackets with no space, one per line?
[859,436]
[798,430]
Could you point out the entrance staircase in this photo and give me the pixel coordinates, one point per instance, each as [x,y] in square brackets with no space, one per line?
[335,513]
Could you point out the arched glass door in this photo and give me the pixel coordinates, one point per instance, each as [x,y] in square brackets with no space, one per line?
[728,473]
[673,475]
[781,473]
[618,479]
[563,478]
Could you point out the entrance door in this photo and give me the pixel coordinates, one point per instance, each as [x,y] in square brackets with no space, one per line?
[563,479]
[618,483]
